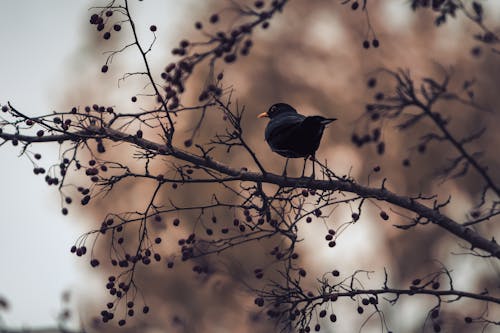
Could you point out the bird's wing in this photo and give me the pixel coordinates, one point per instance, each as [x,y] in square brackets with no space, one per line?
[283,127]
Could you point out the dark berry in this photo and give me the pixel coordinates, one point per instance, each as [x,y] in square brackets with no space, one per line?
[214,18]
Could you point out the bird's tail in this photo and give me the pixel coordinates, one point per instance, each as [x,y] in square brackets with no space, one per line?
[326,121]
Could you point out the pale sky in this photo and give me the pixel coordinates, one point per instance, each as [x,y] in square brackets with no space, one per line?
[38,41]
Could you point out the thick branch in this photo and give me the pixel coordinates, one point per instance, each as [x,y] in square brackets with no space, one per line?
[452,293]
[463,232]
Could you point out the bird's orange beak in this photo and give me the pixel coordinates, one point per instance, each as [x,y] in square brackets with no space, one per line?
[263,115]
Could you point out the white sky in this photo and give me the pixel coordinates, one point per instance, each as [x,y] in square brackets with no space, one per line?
[37,42]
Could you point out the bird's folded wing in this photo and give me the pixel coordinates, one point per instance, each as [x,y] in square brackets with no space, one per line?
[283,128]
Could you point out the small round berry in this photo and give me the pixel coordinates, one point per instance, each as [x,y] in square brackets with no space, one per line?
[230,58]
[476,51]
[94,19]
[153,28]
[214,18]
[366,44]
[259,301]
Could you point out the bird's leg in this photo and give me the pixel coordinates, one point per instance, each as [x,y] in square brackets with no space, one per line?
[284,170]
[313,158]
[304,167]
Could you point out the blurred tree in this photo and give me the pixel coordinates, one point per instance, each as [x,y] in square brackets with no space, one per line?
[199,231]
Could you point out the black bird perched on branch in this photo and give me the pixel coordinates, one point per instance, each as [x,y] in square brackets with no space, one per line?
[293,135]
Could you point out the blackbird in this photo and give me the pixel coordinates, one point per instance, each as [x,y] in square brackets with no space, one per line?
[293,135]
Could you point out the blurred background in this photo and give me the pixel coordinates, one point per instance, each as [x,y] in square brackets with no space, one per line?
[312,58]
